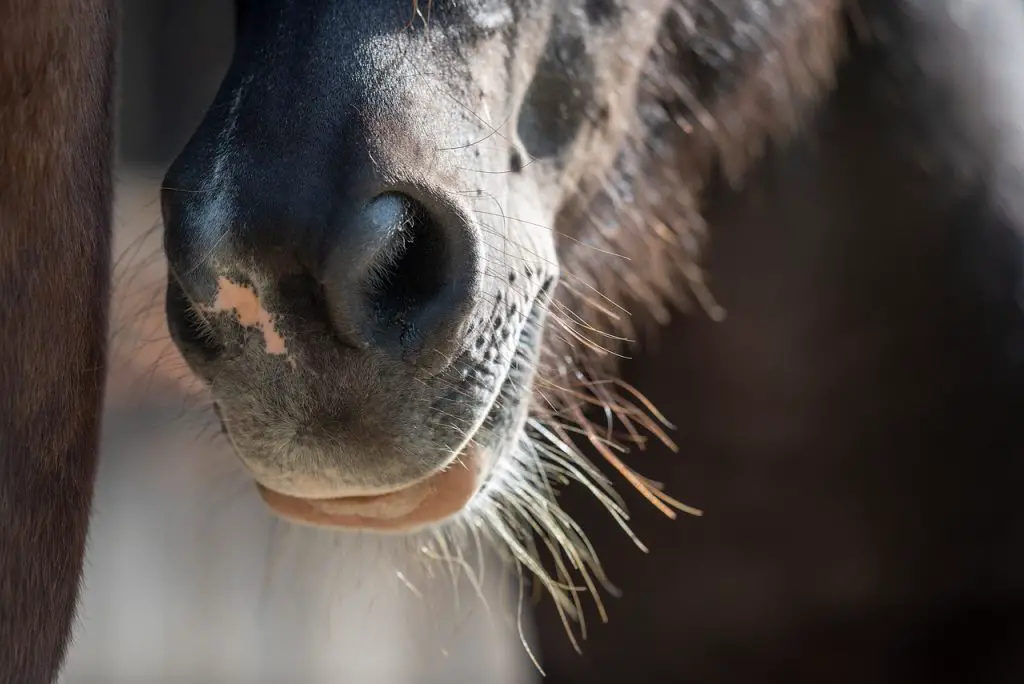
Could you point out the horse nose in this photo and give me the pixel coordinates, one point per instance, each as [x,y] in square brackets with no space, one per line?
[395,274]
[402,276]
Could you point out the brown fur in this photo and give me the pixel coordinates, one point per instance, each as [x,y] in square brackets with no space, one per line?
[56,143]
[758,98]
[772,93]
[715,595]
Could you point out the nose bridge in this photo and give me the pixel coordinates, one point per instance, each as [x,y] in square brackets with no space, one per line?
[318,84]
[290,142]
[321,95]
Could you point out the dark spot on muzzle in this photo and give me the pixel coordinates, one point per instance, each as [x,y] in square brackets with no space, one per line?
[561,94]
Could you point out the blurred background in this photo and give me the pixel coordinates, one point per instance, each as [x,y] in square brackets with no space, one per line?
[189,580]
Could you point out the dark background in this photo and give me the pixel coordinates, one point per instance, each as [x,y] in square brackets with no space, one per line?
[174,53]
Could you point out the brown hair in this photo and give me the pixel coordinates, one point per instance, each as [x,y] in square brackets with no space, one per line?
[57,62]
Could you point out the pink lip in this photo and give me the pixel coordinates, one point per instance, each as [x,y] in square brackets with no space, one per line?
[429,501]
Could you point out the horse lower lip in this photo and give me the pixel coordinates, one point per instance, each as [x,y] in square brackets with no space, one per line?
[429,501]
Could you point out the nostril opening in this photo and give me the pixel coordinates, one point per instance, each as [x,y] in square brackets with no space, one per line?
[410,272]
[193,336]
[401,276]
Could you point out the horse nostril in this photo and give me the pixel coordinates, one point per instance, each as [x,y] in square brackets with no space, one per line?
[401,276]
[409,272]
[187,330]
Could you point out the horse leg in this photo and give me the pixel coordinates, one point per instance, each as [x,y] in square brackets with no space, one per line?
[57,66]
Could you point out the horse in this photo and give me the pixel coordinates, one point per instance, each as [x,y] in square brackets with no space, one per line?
[409,247]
